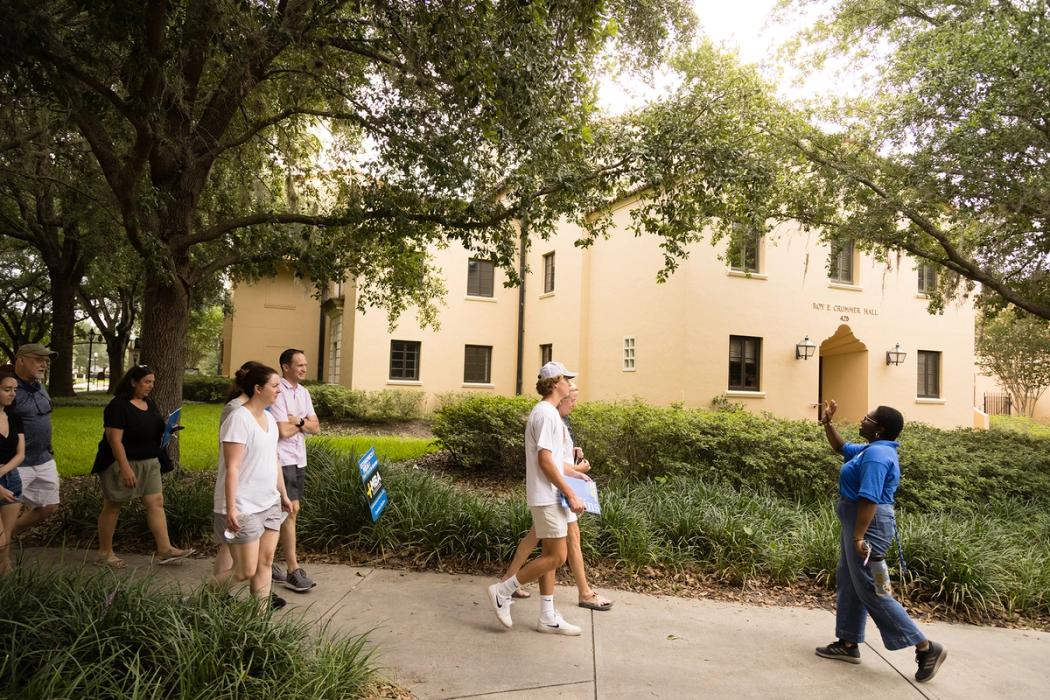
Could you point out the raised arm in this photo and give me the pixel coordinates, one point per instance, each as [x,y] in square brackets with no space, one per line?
[834,439]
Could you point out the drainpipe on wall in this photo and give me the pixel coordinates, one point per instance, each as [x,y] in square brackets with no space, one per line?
[523,237]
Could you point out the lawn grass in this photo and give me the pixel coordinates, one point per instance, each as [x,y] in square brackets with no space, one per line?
[1022,424]
[78,429]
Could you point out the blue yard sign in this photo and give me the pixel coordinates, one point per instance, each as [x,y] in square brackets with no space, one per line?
[368,466]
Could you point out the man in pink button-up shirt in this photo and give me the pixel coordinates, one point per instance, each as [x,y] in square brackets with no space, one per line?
[295,416]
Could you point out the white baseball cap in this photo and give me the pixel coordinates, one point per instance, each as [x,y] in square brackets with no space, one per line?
[555,369]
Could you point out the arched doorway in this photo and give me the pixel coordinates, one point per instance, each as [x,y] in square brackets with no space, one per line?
[844,374]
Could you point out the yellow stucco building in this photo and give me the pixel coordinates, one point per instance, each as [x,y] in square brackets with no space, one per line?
[736,326]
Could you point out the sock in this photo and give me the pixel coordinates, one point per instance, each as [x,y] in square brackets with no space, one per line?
[547,608]
[508,587]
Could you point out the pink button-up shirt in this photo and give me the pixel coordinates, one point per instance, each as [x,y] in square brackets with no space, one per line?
[292,401]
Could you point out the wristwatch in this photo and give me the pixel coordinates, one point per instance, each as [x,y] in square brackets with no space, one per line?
[302,422]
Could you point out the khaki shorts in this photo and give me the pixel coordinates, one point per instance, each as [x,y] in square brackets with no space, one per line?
[252,525]
[551,522]
[147,480]
[39,484]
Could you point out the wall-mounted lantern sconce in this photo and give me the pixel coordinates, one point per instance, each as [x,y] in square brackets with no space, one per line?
[805,349]
[895,356]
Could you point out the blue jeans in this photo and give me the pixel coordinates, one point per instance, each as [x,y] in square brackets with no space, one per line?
[856,598]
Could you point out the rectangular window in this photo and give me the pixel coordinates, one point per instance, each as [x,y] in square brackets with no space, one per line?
[841,268]
[335,349]
[927,278]
[744,358]
[480,276]
[546,353]
[743,254]
[548,273]
[404,359]
[628,354]
[477,364]
[929,384]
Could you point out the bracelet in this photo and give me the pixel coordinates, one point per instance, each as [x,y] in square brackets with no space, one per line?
[858,539]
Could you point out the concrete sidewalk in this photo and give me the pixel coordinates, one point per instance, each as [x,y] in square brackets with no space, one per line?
[438,637]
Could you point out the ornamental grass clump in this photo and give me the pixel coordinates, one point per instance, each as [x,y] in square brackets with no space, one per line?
[67,635]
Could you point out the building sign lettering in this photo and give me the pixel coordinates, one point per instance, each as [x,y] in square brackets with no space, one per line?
[843,309]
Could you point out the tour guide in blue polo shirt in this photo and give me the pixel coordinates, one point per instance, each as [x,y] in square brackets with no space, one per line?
[867,482]
[38,472]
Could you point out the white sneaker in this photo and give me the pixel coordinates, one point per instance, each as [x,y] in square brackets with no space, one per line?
[558,626]
[501,604]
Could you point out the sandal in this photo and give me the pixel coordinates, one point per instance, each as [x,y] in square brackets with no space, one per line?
[172,556]
[520,593]
[110,561]
[596,602]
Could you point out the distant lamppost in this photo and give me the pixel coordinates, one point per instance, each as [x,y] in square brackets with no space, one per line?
[91,341]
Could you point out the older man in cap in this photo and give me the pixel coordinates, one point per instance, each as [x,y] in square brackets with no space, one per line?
[32,404]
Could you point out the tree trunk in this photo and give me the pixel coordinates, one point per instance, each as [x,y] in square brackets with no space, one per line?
[63,320]
[165,320]
[115,349]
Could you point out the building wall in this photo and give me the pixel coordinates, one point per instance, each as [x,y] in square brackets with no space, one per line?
[269,316]
[465,320]
[681,329]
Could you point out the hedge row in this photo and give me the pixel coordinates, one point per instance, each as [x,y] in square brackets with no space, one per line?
[330,400]
[630,441]
[989,561]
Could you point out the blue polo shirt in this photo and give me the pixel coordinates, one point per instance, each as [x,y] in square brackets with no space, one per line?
[33,405]
[871,471]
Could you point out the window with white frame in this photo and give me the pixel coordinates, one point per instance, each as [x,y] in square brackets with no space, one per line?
[481,275]
[546,353]
[629,350]
[477,364]
[743,252]
[745,356]
[841,263]
[927,278]
[335,348]
[548,273]
[929,374]
[404,360]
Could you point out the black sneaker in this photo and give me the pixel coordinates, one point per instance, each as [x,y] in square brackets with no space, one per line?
[277,602]
[840,652]
[929,660]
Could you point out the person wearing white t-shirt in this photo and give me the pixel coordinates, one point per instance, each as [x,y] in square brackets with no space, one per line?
[250,499]
[544,484]
[575,466]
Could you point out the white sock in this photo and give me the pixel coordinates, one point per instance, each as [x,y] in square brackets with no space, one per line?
[508,587]
[547,611]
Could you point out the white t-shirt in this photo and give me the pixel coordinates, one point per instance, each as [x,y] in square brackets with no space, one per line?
[257,476]
[544,431]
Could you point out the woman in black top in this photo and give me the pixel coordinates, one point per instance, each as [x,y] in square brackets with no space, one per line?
[128,465]
[12,452]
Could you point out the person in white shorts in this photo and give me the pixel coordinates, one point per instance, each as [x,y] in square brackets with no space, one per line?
[250,500]
[576,466]
[544,484]
[39,473]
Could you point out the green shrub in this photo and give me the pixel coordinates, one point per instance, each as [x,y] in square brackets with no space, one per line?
[205,388]
[67,635]
[385,406]
[630,441]
[484,432]
[991,559]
